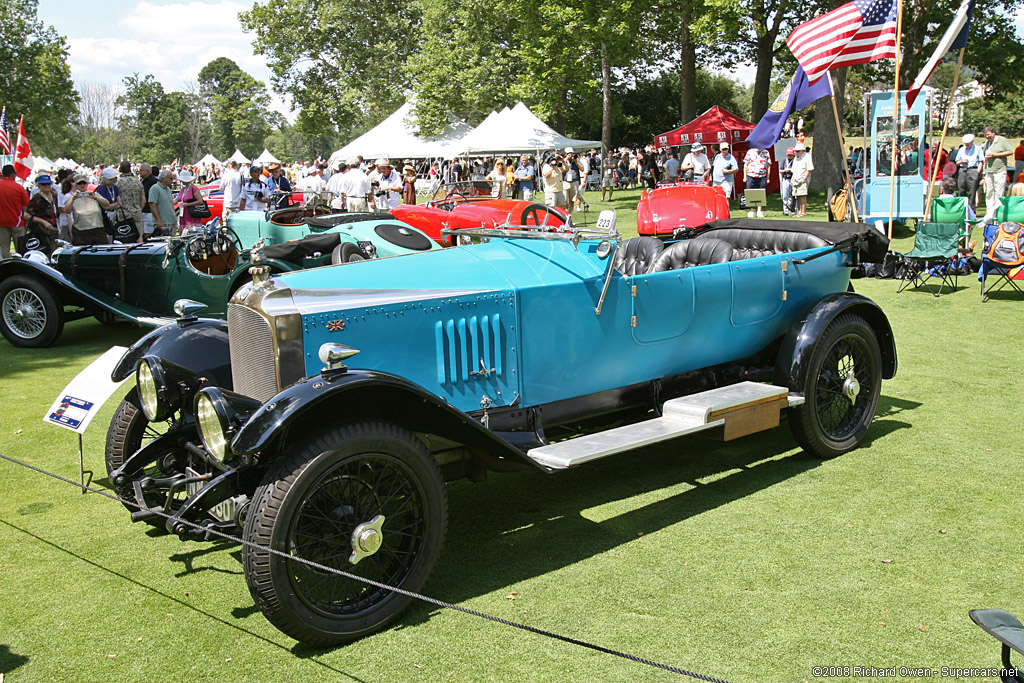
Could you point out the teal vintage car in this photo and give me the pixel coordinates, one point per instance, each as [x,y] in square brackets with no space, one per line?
[141,282]
[369,234]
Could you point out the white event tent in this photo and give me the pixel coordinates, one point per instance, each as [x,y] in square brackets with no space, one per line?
[208,160]
[238,156]
[396,137]
[517,130]
[266,158]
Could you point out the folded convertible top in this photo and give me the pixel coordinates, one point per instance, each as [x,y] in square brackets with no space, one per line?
[873,248]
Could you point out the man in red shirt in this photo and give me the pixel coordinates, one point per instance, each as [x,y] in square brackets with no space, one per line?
[13,200]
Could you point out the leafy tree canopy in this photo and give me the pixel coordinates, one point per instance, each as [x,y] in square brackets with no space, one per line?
[35,78]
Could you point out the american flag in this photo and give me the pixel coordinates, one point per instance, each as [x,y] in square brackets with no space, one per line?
[5,138]
[855,33]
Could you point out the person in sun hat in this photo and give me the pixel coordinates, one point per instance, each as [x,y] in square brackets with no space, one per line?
[388,193]
[408,184]
[696,164]
[724,169]
[86,209]
[280,187]
[969,160]
[188,196]
[802,167]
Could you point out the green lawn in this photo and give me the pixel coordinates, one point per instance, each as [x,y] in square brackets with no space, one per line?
[749,561]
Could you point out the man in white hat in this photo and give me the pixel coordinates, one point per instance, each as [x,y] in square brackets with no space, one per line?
[355,187]
[388,193]
[696,164]
[311,185]
[969,160]
[724,169]
[802,167]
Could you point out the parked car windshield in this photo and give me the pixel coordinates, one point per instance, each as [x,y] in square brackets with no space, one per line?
[465,189]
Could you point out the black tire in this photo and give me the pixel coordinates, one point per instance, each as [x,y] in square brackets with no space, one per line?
[129,430]
[311,503]
[838,409]
[31,315]
[346,252]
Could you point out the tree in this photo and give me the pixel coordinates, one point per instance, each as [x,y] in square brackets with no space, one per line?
[152,120]
[642,113]
[770,20]
[239,107]
[341,61]
[99,140]
[35,78]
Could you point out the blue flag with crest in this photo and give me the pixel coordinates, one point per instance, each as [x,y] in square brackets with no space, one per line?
[796,95]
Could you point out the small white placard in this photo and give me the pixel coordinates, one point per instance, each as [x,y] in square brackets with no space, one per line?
[83,397]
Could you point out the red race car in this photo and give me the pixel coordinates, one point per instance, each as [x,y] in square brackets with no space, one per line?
[662,210]
[474,204]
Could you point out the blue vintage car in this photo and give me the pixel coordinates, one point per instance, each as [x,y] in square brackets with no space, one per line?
[323,418]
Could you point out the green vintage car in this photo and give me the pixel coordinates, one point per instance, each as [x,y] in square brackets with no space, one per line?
[141,282]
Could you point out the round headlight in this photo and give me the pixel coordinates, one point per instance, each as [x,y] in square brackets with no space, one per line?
[211,428]
[147,391]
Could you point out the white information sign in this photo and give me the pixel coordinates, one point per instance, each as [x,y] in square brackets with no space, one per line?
[83,397]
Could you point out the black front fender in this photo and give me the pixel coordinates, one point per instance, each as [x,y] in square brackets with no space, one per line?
[319,401]
[198,345]
[799,342]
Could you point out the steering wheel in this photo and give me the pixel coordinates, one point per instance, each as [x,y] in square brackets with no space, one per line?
[236,241]
[455,196]
[321,210]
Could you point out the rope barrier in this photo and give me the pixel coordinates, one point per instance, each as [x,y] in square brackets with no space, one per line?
[376,584]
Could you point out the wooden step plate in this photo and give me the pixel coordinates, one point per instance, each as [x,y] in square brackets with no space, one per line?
[746,408]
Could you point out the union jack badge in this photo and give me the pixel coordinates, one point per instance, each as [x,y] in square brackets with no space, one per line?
[335,325]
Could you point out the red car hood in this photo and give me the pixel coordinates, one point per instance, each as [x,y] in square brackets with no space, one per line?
[667,208]
[471,214]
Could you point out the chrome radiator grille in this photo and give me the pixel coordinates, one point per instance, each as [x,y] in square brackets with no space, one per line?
[253,370]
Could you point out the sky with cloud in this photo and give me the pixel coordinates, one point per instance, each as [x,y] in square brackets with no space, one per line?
[171,40]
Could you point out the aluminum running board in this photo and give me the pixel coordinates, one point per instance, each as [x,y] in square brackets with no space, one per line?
[680,416]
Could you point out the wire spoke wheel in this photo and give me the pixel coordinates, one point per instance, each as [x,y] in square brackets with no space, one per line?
[841,389]
[24,313]
[352,493]
[366,498]
[128,432]
[31,315]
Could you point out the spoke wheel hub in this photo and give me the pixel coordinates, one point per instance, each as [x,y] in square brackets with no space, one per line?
[367,539]
[851,387]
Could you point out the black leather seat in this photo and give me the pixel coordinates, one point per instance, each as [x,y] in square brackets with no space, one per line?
[693,252]
[754,243]
[636,256]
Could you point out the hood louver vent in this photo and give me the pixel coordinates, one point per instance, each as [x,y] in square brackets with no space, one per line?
[468,348]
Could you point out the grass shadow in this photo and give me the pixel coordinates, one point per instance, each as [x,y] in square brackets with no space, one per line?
[533,526]
[9,661]
[36,537]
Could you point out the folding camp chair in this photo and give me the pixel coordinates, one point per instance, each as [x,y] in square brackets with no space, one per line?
[1001,271]
[1005,628]
[935,248]
[953,210]
[1011,209]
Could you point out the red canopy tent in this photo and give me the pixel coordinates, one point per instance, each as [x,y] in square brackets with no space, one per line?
[711,128]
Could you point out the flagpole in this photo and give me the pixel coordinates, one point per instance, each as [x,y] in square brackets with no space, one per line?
[842,147]
[895,150]
[942,139]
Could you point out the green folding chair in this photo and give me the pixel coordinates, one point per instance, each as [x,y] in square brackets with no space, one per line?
[1011,209]
[1005,628]
[935,248]
[953,210]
